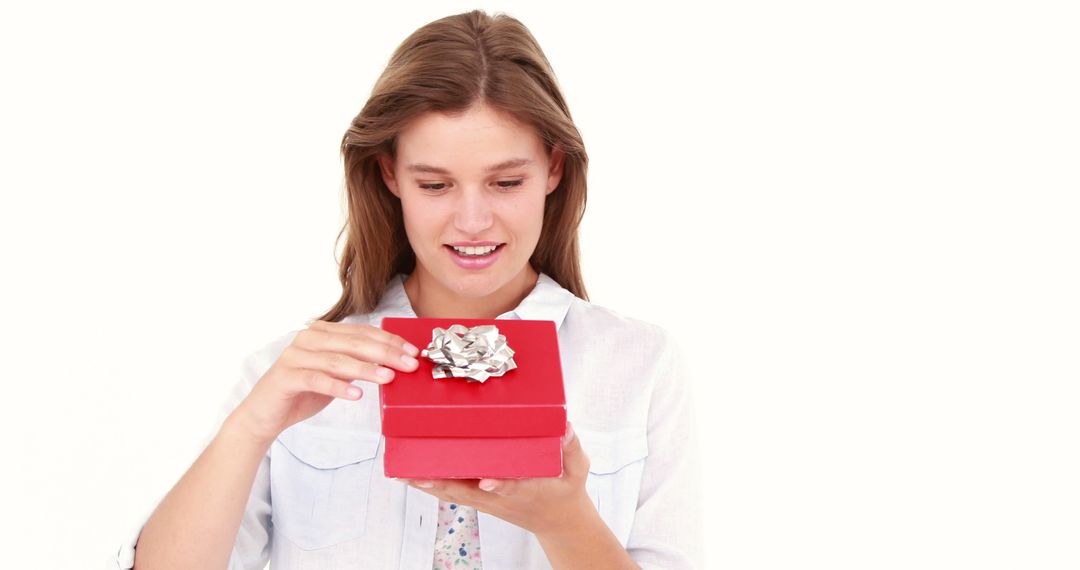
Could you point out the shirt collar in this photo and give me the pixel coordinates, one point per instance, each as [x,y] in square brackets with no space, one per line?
[548,301]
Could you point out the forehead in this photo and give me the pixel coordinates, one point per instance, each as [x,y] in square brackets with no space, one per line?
[479,137]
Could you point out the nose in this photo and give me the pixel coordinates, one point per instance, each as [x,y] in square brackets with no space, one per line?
[472,214]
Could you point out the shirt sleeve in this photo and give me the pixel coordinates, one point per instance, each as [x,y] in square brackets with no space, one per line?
[666,530]
[252,548]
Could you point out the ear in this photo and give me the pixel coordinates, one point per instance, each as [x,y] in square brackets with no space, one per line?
[386,167]
[556,171]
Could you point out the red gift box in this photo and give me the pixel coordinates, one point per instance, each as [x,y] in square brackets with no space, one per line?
[508,426]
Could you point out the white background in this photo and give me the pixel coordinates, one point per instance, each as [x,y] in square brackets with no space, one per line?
[860,218]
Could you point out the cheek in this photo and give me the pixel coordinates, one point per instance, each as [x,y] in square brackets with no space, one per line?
[419,217]
[519,219]
[526,210]
[531,214]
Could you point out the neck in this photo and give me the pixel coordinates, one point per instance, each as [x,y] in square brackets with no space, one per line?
[430,299]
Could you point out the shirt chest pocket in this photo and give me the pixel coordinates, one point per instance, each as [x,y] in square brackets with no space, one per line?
[320,478]
[616,464]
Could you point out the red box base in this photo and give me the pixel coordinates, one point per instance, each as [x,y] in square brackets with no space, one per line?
[472,458]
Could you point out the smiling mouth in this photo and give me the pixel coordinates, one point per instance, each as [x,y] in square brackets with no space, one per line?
[475,252]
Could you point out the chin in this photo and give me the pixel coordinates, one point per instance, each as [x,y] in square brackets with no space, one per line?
[479,284]
[476,286]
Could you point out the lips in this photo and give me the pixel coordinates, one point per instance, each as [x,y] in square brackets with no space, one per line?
[498,246]
[474,243]
[474,261]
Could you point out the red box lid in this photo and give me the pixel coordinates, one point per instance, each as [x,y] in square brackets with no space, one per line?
[526,401]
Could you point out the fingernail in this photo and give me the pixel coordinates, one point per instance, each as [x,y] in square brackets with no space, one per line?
[423,484]
[411,349]
[408,360]
[385,373]
[569,433]
[487,485]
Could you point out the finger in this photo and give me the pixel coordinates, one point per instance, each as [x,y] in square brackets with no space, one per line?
[431,490]
[575,461]
[358,345]
[368,330]
[461,491]
[501,487]
[338,365]
[315,381]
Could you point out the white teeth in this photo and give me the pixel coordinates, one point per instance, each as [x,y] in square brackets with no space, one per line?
[475,250]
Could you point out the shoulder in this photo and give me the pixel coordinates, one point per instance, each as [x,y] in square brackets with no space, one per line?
[607,326]
[616,354]
[613,365]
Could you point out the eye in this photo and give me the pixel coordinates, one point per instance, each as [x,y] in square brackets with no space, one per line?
[509,183]
[434,187]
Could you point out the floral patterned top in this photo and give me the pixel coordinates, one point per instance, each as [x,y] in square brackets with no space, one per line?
[457,539]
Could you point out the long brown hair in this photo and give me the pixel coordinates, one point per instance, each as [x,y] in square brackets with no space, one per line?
[447,66]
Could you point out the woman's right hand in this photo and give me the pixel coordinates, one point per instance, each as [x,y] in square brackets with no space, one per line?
[318,366]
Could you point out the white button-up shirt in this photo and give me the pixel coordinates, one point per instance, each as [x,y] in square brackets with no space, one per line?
[320,499]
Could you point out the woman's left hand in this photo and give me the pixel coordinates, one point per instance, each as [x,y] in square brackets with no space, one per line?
[540,505]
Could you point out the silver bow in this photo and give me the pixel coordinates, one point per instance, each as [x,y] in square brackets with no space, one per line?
[475,353]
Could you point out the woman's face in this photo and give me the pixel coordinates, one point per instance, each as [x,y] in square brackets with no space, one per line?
[478,177]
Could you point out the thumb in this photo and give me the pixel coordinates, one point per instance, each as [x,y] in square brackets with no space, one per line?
[575,462]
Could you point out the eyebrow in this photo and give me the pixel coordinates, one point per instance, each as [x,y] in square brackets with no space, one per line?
[512,163]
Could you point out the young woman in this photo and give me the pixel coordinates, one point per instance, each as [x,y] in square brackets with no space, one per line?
[466,183]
